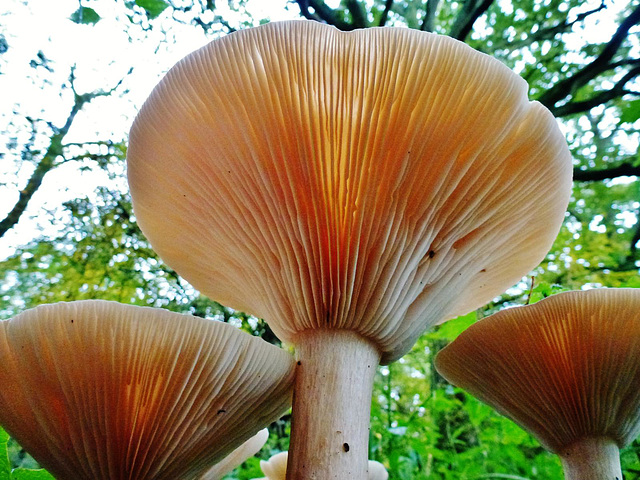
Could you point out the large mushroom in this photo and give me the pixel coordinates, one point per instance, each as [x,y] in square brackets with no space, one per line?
[566,369]
[99,390]
[352,189]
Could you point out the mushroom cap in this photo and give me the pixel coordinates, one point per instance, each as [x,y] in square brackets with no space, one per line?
[276,468]
[100,390]
[377,471]
[237,457]
[565,368]
[381,180]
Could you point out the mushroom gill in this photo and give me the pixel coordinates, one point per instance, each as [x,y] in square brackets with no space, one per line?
[352,189]
[100,390]
[566,369]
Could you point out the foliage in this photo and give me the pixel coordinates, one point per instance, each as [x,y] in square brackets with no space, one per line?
[421,426]
[20,473]
[85,15]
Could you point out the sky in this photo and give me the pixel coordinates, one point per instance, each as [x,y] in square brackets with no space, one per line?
[102,54]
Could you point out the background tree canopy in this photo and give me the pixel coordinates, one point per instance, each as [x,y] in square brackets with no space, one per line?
[581,59]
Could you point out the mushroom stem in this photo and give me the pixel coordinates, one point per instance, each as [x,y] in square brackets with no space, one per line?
[592,458]
[331,405]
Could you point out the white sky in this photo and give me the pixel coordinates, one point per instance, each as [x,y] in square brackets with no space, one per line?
[103,54]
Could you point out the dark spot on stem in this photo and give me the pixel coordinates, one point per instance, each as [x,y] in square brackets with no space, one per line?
[299,362]
[432,253]
[222,410]
[345,447]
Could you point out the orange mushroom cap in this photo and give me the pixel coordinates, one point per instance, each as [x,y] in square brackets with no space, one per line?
[565,368]
[100,390]
[380,181]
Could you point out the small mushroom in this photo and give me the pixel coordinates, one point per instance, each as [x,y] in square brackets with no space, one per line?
[100,390]
[276,468]
[352,189]
[566,369]
[237,457]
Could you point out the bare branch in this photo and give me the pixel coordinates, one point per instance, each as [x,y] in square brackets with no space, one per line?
[599,98]
[322,13]
[55,149]
[601,64]
[385,13]
[551,32]
[471,11]
[625,62]
[429,21]
[358,14]
[624,169]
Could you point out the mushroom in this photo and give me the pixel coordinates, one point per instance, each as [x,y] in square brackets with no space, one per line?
[566,369]
[100,390]
[276,468]
[352,189]
[237,457]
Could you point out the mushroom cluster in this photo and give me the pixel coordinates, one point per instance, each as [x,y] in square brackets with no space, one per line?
[566,369]
[352,189]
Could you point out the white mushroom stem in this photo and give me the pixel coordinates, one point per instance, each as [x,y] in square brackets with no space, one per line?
[331,405]
[593,459]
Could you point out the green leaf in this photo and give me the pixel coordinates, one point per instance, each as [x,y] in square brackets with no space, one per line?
[152,7]
[451,329]
[85,15]
[630,112]
[5,468]
[543,290]
[27,474]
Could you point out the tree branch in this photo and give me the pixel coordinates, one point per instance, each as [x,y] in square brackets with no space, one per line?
[385,13]
[358,14]
[551,32]
[625,62]
[54,150]
[602,63]
[429,21]
[599,98]
[625,169]
[471,11]
[322,13]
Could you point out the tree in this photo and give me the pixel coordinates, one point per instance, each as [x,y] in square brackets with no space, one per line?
[581,60]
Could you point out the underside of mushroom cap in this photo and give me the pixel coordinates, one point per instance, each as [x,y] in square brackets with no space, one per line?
[565,368]
[237,457]
[381,180]
[100,390]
